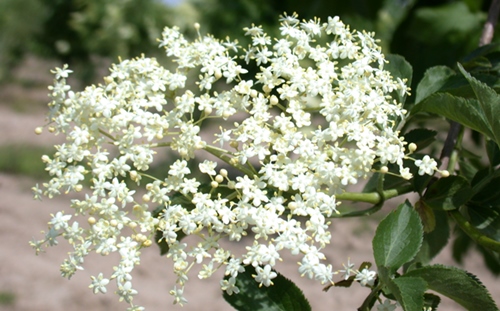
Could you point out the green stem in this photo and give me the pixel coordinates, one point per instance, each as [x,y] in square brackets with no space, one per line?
[374,197]
[222,154]
[147,175]
[473,233]
[107,135]
[165,144]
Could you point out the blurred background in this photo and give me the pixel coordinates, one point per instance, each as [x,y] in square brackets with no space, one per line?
[37,35]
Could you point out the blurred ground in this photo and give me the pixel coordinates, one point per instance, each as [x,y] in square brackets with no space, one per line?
[32,283]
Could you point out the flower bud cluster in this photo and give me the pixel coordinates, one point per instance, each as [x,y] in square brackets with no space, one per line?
[312,120]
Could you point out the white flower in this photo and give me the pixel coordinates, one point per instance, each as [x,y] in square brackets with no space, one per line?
[62,73]
[234,267]
[229,286]
[60,221]
[99,284]
[208,167]
[426,166]
[366,277]
[178,294]
[125,291]
[264,275]
[348,269]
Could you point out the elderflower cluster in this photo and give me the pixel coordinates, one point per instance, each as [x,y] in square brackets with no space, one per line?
[312,120]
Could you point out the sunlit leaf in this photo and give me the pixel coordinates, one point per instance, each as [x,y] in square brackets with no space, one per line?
[457,284]
[398,237]
[434,79]
[467,112]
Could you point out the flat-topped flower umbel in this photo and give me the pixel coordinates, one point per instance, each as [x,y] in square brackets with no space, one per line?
[312,120]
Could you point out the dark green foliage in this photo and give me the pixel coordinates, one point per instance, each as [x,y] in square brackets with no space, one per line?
[397,242]
[76,31]
[457,284]
[448,193]
[434,240]
[284,295]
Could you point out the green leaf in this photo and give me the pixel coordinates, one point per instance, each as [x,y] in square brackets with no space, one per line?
[491,259]
[409,291]
[493,153]
[442,79]
[426,216]
[461,246]
[434,79]
[466,168]
[484,207]
[448,193]
[481,179]
[456,284]
[467,112]
[435,240]
[486,219]
[489,102]
[284,295]
[397,238]
[480,57]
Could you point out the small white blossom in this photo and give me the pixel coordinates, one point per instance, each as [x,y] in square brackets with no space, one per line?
[126,292]
[366,277]
[348,269]
[62,73]
[99,284]
[426,166]
[178,294]
[229,286]
[264,275]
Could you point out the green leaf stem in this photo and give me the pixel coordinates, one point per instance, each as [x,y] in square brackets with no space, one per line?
[474,233]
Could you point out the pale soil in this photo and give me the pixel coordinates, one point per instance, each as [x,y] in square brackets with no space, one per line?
[37,286]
